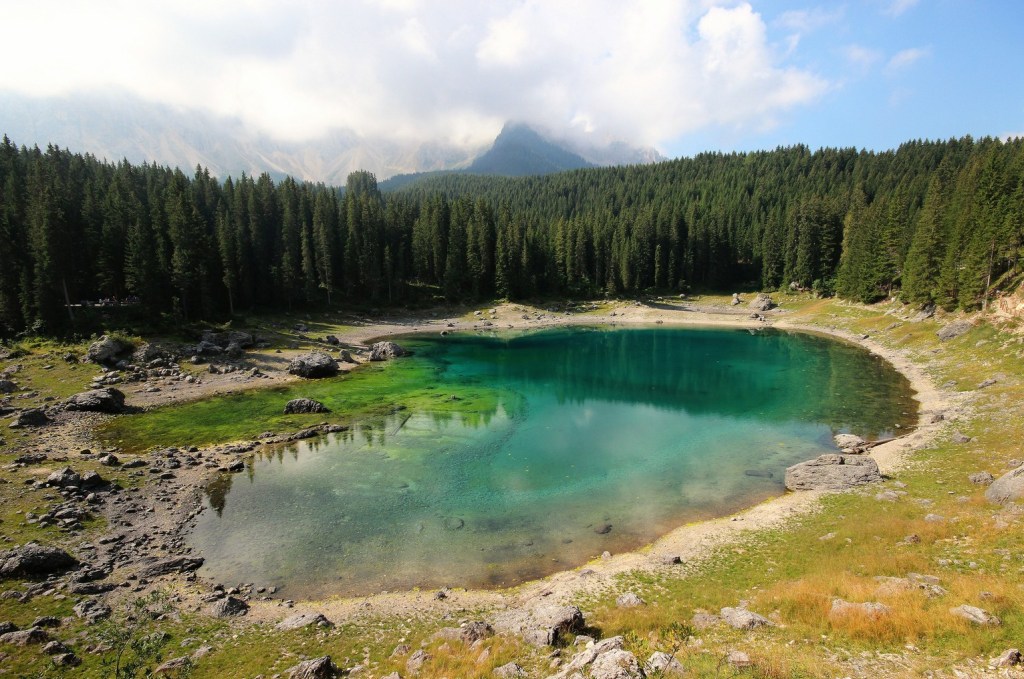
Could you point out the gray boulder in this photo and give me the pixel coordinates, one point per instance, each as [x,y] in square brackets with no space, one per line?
[300,620]
[763,302]
[511,670]
[33,417]
[1007,488]
[304,406]
[741,618]
[629,600]
[106,400]
[91,611]
[869,608]
[228,607]
[106,350]
[586,658]
[847,442]
[832,472]
[953,330]
[174,564]
[25,637]
[33,560]
[664,665]
[8,387]
[64,477]
[975,615]
[313,365]
[382,351]
[616,664]
[982,478]
[544,625]
[317,668]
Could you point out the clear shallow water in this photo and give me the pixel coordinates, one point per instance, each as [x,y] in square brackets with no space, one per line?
[603,439]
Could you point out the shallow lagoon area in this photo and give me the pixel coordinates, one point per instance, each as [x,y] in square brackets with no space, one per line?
[600,439]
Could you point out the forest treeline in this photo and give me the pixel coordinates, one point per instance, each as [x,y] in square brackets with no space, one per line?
[931,222]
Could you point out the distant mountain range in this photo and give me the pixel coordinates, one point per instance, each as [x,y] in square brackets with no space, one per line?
[115,127]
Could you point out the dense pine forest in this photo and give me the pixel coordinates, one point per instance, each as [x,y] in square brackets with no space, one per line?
[931,222]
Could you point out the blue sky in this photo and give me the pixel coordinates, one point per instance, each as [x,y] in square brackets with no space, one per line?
[683,76]
[961,72]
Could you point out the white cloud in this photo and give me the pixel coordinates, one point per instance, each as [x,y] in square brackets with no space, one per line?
[897,7]
[648,71]
[861,57]
[906,58]
[808,20]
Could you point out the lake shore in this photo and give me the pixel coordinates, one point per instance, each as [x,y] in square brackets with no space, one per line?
[691,543]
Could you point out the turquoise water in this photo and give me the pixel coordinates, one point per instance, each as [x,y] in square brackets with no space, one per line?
[603,439]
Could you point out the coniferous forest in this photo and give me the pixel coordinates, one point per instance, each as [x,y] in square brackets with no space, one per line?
[931,222]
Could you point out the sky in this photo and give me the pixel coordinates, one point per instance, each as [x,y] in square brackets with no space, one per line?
[682,76]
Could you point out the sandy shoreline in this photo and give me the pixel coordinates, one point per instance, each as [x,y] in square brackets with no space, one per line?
[691,543]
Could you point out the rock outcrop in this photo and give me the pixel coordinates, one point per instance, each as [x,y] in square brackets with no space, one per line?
[317,668]
[33,417]
[832,472]
[741,618]
[313,365]
[300,620]
[228,607]
[543,625]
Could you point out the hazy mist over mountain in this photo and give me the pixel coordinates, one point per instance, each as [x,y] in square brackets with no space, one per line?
[121,126]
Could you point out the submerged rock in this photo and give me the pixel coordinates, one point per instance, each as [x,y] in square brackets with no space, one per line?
[312,365]
[832,472]
[304,406]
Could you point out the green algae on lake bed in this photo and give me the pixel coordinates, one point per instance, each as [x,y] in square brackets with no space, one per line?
[372,390]
[581,440]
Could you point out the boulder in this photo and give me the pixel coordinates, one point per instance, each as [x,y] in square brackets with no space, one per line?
[664,665]
[106,350]
[509,670]
[1007,488]
[982,478]
[629,600]
[172,666]
[616,664]
[25,637]
[300,620]
[763,302]
[1011,657]
[544,625]
[975,615]
[33,560]
[953,330]
[475,631]
[33,417]
[91,611]
[585,658]
[304,406]
[224,340]
[228,607]
[872,609]
[174,564]
[847,442]
[106,400]
[832,472]
[63,478]
[383,351]
[739,659]
[8,387]
[312,365]
[416,661]
[741,618]
[317,668]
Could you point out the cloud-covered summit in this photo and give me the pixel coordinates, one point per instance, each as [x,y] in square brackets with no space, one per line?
[642,71]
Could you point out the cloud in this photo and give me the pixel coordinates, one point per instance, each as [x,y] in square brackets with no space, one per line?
[809,20]
[861,57]
[646,71]
[906,58]
[897,7]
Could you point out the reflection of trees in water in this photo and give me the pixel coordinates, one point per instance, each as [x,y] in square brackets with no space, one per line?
[217,492]
[768,374]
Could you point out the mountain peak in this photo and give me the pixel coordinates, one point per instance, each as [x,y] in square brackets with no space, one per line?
[519,150]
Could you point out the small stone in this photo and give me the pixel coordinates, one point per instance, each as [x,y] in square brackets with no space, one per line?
[739,660]
[981,478]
